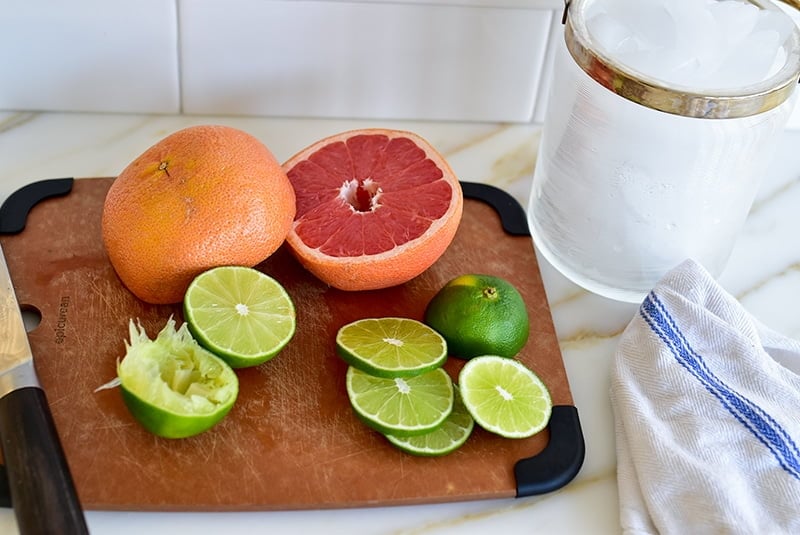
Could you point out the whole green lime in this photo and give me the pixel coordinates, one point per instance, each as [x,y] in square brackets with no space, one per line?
[479,315]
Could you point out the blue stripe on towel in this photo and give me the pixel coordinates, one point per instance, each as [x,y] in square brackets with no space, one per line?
[751,416]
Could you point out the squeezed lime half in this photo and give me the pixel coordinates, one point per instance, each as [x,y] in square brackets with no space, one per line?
[174,387]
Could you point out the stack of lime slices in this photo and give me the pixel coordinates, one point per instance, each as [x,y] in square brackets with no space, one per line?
[396,384]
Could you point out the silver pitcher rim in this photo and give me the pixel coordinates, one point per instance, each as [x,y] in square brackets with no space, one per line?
[689,102]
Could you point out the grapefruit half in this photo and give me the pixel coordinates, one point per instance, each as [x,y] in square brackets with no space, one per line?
[375,208]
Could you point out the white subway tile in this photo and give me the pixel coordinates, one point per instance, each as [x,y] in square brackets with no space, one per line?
[543,93]
[361,59]
[89,55]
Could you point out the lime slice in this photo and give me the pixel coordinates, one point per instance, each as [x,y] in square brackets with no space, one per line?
[448,437]
[403,406]
[171,385]
[391,347]
[504,396]
[240,314]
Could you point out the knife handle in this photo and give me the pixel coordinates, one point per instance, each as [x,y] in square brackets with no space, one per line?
[42,491]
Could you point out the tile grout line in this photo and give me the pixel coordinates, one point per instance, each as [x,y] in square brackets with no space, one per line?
[179,54]
[542,85]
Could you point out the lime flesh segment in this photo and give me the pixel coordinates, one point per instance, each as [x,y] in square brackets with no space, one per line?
[391,347]
[504,396]
[171,385]
[402,406]
[240,314]
[450,436]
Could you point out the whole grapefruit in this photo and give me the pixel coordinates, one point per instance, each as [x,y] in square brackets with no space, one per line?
[201,197]
[375,208]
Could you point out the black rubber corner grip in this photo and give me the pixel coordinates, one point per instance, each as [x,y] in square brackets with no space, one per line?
[561,459]
[512,215]
[15,209]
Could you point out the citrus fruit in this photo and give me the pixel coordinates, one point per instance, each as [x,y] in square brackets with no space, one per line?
[171,385]
[201,197]
[504,396]
[403,406]
[479,315]
[240,314]
[391,347]
[447,438]
[375,208]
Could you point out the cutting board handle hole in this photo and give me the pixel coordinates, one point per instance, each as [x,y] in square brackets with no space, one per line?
[31,317]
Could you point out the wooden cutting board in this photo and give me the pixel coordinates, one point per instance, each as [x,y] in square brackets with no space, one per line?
[291,440]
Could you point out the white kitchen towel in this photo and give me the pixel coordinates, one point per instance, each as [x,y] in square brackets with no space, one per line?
[706,406]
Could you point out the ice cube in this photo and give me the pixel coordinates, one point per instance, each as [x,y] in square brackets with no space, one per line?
[736,19]
[611,35]
[749,62]
[770,19]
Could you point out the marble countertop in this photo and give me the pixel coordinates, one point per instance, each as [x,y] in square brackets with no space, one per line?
[763,273]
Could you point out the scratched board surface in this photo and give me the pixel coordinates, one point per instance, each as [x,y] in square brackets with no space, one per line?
[291,440]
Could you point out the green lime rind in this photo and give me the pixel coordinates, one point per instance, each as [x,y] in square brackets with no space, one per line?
[447,438]
[391,347]
[401,406]
[164,424]
[240,314]
[504,396]
[172,386]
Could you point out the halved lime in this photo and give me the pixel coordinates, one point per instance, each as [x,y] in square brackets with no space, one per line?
[402,406]
[240,314]
[171,385]
[391,347]
[448,437]
[504,396]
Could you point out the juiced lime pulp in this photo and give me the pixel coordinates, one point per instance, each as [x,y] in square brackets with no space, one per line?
[172,385]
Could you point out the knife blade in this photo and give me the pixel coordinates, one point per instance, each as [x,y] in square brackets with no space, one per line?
[42,490]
